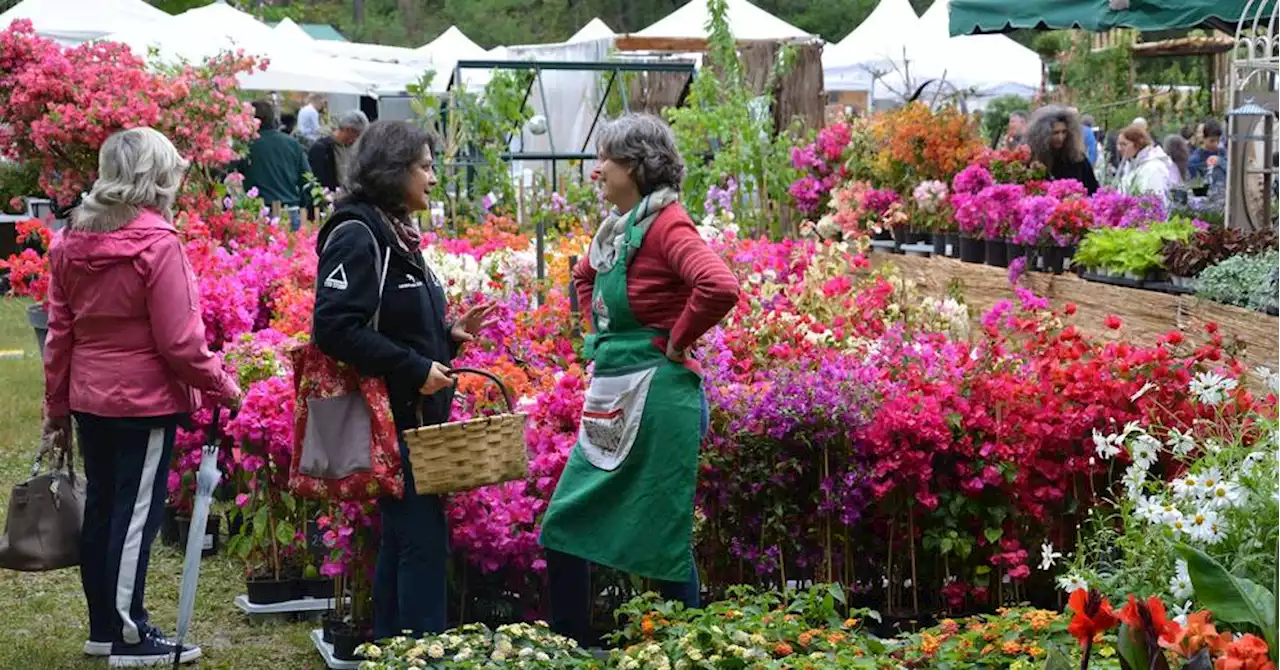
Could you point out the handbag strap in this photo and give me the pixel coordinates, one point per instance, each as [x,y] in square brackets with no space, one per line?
[66,459]
[386,261]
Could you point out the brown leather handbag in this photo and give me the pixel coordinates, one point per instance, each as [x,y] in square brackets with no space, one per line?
[42,530]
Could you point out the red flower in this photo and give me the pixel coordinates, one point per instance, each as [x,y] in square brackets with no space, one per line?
[1113,322]
[1070,309]
[1150,616]
[1093,615]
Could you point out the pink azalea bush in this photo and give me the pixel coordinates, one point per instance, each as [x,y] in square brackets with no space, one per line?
[58,104]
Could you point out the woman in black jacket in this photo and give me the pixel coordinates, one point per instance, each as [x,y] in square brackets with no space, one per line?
[1057,142]
[360,274]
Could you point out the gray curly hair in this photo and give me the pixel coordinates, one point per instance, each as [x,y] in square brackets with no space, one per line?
[1040,136]
[137,169]
[645,144]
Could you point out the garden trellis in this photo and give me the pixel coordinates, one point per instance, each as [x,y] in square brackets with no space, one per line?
[552,157]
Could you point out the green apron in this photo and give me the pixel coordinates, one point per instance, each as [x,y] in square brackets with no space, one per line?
[625,499]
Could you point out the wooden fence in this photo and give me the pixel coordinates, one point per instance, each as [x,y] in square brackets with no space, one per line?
[1146,314]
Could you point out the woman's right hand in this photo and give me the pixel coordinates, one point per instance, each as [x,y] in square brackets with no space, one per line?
[438,379]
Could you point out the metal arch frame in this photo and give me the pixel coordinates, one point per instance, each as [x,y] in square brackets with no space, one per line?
[612,67]
[1256,62]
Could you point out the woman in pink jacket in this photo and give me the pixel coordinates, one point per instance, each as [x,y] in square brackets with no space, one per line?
[126,356]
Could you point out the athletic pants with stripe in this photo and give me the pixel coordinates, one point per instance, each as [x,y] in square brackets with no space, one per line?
[126,465]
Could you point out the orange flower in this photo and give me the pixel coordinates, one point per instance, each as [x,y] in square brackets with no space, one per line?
[1198,634]
[1093,615]
[929,644]
[646,626]
[805,639]
[850,623]
[988,649]
[835,638]
[782,649]
[1011,648]
[1247,653]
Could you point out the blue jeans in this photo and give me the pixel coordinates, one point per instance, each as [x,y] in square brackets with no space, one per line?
[295,219]
[410,581]
[569,584]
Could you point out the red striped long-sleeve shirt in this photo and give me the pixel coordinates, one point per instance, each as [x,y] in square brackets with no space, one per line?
[676,282]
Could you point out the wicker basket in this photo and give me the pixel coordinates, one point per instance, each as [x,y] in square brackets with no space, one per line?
[462,455]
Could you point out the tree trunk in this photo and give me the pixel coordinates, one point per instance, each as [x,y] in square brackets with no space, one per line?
[357,11]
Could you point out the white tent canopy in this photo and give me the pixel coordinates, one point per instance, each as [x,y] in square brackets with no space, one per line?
[970,58]
[747,21]
[75,21]
[887,43]
[292,32]
[203,32]
[594,30]
[452,44]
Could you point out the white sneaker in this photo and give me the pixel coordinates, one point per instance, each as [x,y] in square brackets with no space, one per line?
[92,648]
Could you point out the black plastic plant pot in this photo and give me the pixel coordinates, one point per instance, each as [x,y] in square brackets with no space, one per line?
[939,245]
[901,236]
[331,621]
[169,526]
[997,253]
[346,638]
[269,591]
[921,236]
[953,239]
[971,250]
[318,587]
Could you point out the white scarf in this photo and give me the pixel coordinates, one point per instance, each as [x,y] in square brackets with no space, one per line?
[611,239]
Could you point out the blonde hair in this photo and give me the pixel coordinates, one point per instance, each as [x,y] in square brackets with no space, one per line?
[137,169]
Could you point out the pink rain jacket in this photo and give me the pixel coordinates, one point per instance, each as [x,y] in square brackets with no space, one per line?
[126,338]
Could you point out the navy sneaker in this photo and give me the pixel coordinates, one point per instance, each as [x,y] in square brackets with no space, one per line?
[153,650]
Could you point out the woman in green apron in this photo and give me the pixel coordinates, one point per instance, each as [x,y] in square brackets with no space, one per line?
[654,287]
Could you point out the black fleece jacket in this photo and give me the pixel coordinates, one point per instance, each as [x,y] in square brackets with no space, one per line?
[412,331]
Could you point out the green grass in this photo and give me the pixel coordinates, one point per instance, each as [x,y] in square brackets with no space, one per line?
[46,622]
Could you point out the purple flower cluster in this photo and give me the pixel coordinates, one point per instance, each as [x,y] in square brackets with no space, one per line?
[1033,219]
[720,199]
[1112,209]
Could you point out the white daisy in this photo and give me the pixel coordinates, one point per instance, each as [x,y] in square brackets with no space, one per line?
[1106,446]
[1177,523]
[1211,388]
[1048,556]
[1270,379]
[1209,480]
[1148,510]
[1180,585]
[1187,488]
[1135,478]
[1227,495]
[1145,450]
[1142,391]
[1072,583]
[1200,525]
[1181,443]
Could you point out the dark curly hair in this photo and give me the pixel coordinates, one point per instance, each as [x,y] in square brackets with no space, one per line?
[381,161]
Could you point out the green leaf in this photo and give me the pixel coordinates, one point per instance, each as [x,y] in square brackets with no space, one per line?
[993,535]
[260,524]
[874,645]
[1056,660]
[1232,599]
[1132,650]
[285,533]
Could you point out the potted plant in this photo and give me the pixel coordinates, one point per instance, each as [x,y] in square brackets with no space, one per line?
[351,536]
[29,273]
[930,200]
[1185,259]
[1248,281]
[262,543]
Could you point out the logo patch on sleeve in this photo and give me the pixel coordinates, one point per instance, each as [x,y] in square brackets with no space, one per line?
[337,279]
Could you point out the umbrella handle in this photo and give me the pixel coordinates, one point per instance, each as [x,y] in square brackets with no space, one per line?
[211,435]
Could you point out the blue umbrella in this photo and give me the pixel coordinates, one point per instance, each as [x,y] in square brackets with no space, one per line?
[207,478]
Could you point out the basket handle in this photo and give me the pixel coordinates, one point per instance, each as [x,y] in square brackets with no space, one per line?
[506,393]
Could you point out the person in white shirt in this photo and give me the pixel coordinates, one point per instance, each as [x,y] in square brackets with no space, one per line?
[1146,168]
[309,118]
